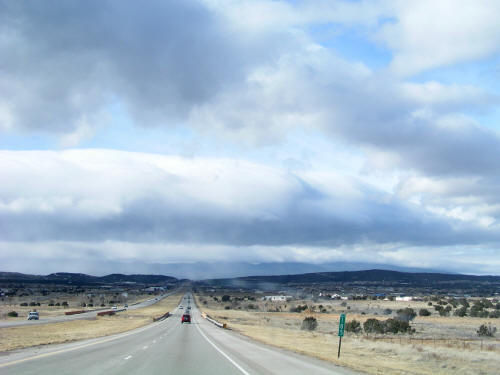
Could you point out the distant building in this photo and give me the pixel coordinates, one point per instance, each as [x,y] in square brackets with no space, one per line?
[276,298]
[405,298]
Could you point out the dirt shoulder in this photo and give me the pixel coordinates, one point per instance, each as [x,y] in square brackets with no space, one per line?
[55,333]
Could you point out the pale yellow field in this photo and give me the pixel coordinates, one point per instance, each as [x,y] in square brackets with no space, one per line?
[455,351]
[25,336]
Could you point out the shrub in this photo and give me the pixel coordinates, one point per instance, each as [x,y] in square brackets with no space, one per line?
[226,298]
[51,304]
[309,324]
[424,312]
[373,326]
[353,326]
[486,303]
[486,330]
[387,312]
[429,303]
[461,312]
[396,326]
[65,304]
[494,314]
[32,304]
[444,312]
[227,307]
[298,308]
[12,314]
[251,306]
[57,304]
[438,308]
[406,315]
[23,304]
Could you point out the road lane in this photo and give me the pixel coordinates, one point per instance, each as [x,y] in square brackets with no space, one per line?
[166,347]
[87,315]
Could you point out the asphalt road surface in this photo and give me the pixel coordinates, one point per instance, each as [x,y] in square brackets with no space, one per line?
[165,347]
[87,315]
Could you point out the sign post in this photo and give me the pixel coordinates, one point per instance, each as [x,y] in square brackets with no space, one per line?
[341,331]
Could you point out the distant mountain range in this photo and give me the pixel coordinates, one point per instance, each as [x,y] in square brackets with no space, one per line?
[376,276]
[207,270]
[83,279]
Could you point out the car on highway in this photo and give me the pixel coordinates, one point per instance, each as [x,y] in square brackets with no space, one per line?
[180,307]
[186,318]
[115,308]
[33,315]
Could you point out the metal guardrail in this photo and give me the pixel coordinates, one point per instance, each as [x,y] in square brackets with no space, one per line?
[164,316]
[213,321]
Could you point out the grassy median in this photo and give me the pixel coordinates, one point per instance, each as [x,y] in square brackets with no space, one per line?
[54,333]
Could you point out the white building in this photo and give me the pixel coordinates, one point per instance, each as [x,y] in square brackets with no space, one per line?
[405,298]
[276,298]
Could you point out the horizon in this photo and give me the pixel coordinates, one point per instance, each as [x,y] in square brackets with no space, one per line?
[272,132]
[265,274]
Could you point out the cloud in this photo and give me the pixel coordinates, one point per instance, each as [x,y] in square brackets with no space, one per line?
[248,73]
[65,64]
[99,195]
[428,34]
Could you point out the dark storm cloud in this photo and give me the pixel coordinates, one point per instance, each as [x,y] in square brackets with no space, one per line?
[302,222]
[63,62]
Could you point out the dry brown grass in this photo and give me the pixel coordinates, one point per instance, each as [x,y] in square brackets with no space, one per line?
[390,355]
[25,336]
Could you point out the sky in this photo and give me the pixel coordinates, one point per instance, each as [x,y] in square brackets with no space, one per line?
[317,131]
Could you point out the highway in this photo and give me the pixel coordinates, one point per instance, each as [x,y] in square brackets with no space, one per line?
[87,315]
[165,347]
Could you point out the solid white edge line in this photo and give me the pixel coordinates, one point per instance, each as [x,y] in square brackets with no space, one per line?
[221,352]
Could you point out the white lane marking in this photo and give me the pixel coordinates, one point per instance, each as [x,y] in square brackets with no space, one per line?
[144,347]
[221,352]
[70,349]
[127,357]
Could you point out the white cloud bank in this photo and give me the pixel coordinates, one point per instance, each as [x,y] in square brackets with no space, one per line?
[121,206]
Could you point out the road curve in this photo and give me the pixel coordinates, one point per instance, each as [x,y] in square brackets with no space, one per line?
[87,315]
[166,347]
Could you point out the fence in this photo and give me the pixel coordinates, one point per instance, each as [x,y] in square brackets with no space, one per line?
[464,344]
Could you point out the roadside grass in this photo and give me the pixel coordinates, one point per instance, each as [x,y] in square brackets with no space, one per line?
[456,350]
[12,338]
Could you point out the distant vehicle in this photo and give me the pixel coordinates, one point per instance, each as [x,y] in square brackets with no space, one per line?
[186,318]
[189,307]
[115,308]
[180,307]
[33,315]
[126,306]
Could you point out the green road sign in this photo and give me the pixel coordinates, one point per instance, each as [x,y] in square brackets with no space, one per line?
[341,325]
